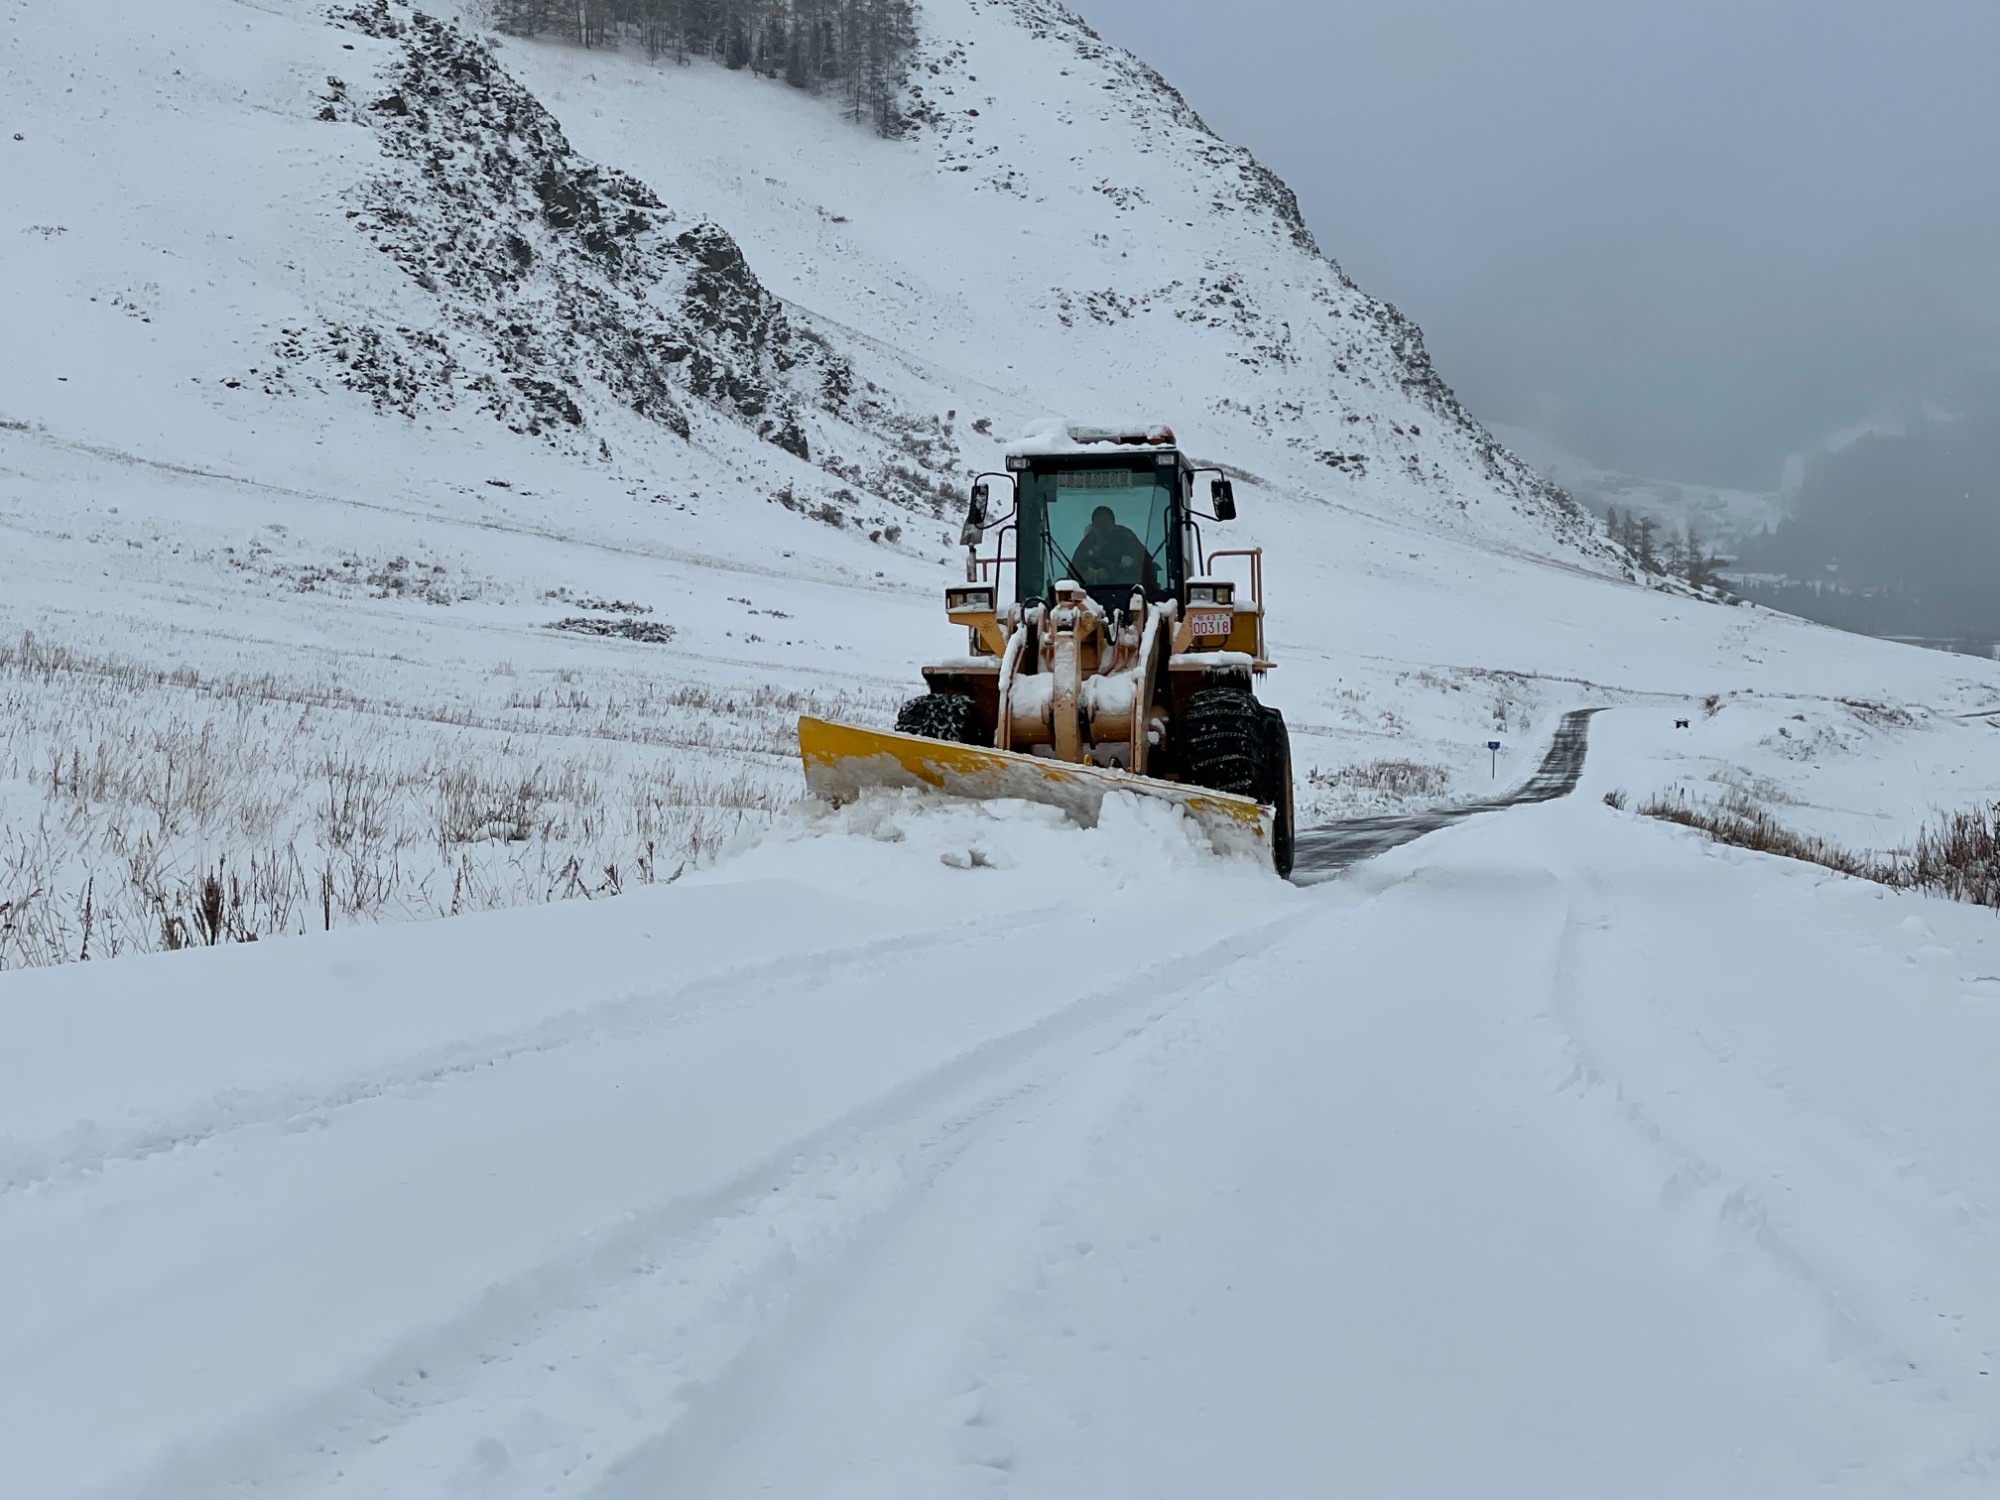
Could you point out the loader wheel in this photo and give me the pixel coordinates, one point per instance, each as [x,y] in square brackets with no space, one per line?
[943,716]
[1222,741]
[1278,789]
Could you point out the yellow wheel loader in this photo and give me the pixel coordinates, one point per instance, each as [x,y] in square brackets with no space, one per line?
[1107,651]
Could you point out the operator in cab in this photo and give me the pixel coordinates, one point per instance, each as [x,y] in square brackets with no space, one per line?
[1110,554]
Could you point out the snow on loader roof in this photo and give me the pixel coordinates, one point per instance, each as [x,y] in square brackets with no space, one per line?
[1056,436]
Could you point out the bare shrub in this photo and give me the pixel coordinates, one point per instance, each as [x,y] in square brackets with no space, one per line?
[1615,799]
[1739,821]
[1959,857]
[652,632]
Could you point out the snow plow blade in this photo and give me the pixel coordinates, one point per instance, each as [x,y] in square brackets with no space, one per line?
[842,761]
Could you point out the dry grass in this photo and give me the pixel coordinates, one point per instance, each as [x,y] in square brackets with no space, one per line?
[1958,856]
[1391,780]
[1740,821]
[1326,792]
[635,707]
[143,808]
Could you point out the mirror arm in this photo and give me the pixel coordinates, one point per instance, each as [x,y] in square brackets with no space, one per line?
[973,532]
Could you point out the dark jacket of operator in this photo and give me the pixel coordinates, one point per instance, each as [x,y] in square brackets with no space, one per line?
[1111,554]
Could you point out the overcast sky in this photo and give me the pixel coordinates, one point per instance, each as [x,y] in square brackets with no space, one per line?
[1686,237]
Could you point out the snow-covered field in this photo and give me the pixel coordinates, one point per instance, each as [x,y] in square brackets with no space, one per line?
[897,1151]
[1559,1154]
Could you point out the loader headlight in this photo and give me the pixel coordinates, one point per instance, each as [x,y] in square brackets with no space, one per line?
[970,598]
[1212,591]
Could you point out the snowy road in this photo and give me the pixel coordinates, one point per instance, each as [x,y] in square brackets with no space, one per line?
[1325,851]
[1555,1154]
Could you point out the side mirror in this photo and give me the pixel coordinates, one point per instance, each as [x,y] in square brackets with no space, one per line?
[974,530]
[1222,494]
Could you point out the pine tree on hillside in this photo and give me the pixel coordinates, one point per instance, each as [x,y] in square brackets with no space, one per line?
[1704,568]
[862,46]
[523,17]
[1678,554]
[735,38]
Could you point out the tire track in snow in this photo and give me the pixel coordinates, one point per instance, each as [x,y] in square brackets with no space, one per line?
[1066,1085]
[1838,1201]
[87,1148]
[705,1294]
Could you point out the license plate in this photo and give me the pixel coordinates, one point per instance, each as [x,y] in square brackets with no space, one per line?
[1204,623]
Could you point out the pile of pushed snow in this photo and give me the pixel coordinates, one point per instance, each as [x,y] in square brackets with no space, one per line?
[1005,851]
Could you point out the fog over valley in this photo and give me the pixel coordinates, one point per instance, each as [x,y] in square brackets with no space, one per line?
[1677,255]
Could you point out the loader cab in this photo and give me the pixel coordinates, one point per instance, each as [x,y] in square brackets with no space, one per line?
[1113,521]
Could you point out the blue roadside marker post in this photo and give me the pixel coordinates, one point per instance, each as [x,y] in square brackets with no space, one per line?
[1494,746]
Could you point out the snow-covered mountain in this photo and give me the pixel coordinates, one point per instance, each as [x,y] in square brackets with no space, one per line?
[1088,244]
[1082,245]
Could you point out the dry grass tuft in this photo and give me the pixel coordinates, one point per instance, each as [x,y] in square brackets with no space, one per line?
[1960,857]
[1739,821]
[1957,857]
[1395,780]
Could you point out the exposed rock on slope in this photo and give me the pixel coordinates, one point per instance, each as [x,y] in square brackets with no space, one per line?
[560,287]
[1194,229]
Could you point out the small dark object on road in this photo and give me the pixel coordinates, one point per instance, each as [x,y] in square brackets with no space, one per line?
[1682,723]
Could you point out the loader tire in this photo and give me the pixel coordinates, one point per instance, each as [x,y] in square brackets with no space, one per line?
[943,716]
[1222,742]
[1278,789]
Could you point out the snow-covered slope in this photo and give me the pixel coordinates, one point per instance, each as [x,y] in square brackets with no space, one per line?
[1083,244]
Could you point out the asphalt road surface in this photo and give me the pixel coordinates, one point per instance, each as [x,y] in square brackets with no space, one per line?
[1325,851]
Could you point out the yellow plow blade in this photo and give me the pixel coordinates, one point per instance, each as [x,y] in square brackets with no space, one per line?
[842,761]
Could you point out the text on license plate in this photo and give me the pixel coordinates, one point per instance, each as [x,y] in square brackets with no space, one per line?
[1204,622]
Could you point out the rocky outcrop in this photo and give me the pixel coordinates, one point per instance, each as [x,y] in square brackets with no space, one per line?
[558,286]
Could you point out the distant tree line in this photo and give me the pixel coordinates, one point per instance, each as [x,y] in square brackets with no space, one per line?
[857,50]
[1683,554]
[1949,622]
